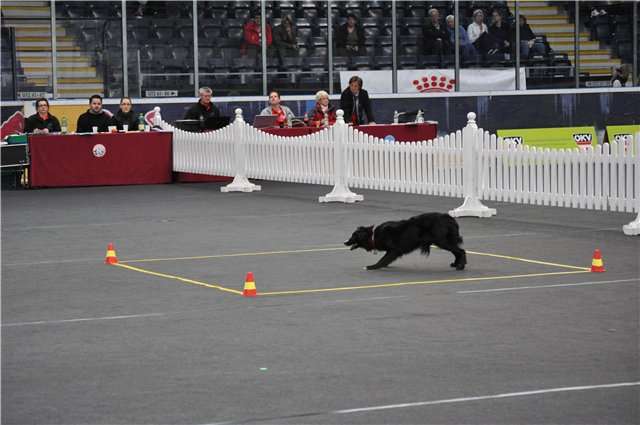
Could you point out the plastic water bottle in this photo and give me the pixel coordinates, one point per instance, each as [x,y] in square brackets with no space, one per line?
[64,125]
[141,122]
[289,121]
[396,117]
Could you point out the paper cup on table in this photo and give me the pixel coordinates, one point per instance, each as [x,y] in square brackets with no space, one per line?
[125,127]
[94,129]
[113,129]
[147,128]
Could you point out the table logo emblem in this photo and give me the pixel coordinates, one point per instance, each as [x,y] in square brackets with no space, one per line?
[99,150]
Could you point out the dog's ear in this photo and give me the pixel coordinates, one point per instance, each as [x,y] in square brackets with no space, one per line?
[370,228]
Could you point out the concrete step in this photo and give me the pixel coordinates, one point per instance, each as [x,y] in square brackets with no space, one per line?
[46,39]
[26,64]
[79,93]
[598,63]
[557,28]
[512,4]
[564,46]
[592,55]
[566,37]
[44,31]
[539,10]
[26,11]
[48,49]
[547,20]
[42,44]
[47,54]
[64,73]
[22,3]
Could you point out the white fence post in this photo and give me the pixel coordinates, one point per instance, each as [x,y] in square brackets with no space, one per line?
[240,182]
[633,228]
[340,192]
[471,207]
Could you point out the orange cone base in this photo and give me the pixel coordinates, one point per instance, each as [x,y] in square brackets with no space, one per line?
[597,269]
[249,293]
[111,255]
[111,260]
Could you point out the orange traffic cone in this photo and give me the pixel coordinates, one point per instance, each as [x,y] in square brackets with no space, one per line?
[249,286]
[111,255]
[597,266]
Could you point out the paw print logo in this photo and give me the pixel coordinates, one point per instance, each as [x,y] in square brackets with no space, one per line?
[434,83]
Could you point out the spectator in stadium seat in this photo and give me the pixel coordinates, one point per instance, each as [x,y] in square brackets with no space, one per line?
[204,108]
[285,115]
[467,51]
[125,115]
[324,114]
[356,104]
[479,34]
[285,40]
[252,33]
[435,40]
[620,76]
[500,31]
[42,121]
[527,38]
[350,38]
[94,117]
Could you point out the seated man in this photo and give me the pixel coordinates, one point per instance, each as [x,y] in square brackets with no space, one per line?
[467,51]
[94,117]
[435,37]
[204,108]
[42,121]
[350,38]
[285,115]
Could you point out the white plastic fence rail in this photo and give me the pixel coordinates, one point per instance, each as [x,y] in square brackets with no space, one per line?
[471,163]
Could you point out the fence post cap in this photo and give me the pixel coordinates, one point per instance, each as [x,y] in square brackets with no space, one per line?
[238,112]
[471,117]
[156,109]
[340,116]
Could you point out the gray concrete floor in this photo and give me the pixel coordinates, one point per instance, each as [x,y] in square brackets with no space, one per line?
[86,343]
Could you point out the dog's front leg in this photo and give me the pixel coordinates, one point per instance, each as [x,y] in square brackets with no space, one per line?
[387,259]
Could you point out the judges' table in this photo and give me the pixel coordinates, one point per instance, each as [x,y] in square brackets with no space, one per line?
[100,159]
[410,132]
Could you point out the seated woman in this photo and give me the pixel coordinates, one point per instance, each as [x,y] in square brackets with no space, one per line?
[285,115]
[125,116]
[42,121]
[500,30]
[324,114]
[285,39]
[479,34]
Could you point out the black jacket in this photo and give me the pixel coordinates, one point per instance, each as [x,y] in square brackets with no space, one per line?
[347,101]
[430,35]
[199,112]
[130,119]
[35,122]
[341,37]
[87,121]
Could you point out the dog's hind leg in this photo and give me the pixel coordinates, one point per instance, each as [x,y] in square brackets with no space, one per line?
[387,259]
[459,253]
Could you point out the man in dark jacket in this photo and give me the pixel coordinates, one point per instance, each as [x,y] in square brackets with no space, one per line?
[355,103]
[435,36]
[350,38]
[42,121]
[94,117]
[204,108]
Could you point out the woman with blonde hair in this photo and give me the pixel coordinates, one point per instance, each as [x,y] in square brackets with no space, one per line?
[324,114]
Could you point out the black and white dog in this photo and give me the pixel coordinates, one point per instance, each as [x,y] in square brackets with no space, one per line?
[398,238]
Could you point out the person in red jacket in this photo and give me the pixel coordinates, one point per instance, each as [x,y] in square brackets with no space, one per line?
[324,114]
[252,45]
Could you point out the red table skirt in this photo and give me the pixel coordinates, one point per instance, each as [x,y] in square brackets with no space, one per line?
[100,159]
[400,132]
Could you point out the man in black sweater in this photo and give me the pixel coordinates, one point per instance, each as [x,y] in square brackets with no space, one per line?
[94,117]
[204,109]
[356,104]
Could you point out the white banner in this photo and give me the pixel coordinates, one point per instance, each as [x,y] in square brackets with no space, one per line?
[438,80]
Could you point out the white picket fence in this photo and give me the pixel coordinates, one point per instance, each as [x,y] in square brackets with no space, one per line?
[470,163]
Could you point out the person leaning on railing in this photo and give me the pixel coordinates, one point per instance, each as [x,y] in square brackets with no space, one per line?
[94,117]
[323,114]
[356,104]
[42,121]
[285,115]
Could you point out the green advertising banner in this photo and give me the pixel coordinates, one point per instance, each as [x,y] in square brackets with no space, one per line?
[622,133]
[552,138]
